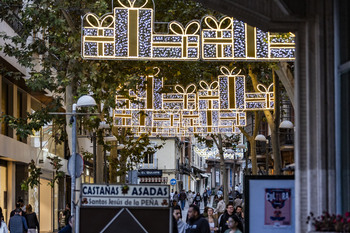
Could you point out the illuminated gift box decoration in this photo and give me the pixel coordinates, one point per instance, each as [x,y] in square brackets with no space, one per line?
[134,28]
[218,107]
[232,89]
[182,43]
[217,39]
[264,99]
[185,98]
[98,36]
[128,34]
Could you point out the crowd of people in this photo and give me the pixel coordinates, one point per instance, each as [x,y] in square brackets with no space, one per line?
[217,217]
[24,220]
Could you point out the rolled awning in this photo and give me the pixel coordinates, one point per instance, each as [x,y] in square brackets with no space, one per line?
[204,175]
[192,177]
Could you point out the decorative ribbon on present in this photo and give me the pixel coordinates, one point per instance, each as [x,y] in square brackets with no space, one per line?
[99,21]
[267,91]
[172,112]
[190,89]
[132,4]
[218,25]
[225,71]
[175,27]
[209,88]
[219,28]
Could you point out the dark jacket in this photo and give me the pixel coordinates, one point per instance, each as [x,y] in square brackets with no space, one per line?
[18,224]
[32,221]
[175,230]
[223,222]
[66,229]
[199,225]
[182,196]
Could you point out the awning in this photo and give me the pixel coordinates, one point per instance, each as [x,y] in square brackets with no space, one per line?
[204,175]
[192,177]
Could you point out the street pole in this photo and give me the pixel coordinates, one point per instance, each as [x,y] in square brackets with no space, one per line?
[74,138]
[234,176]
[267,158]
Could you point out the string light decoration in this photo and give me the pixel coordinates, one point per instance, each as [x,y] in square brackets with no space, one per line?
[217,107]
[213,153]
[128,34]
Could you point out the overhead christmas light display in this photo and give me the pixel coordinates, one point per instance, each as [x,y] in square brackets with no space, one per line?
[213,153]
[217,107]
[128,34]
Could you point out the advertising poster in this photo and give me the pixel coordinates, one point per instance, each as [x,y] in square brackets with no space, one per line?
[278,207]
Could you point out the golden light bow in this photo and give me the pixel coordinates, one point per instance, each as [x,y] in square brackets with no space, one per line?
[217,107]
[129,35]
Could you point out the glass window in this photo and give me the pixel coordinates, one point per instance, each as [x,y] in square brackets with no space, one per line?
[6,106]
[345,138]
[344,24]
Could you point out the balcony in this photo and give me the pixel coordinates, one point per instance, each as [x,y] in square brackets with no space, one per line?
[15,23]
[153,165]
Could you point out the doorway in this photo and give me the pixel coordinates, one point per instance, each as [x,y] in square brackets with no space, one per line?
[45,206]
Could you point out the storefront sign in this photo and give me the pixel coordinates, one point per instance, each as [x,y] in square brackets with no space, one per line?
[125,195]
[150,173]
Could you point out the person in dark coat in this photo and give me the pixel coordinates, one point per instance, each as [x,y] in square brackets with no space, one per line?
[197,200]
[32,220]
[196,222]
[68,228]
[224,217]
[17,223]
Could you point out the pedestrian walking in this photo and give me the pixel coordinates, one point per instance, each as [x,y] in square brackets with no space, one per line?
[239,213]
[18,207]
[196,223]
[66,213]
[176,196]
[17,223]
[190,196]
[182,198]
[177,214]
[234,225]
[32,220]
[220,209]
[238,201]
[197,200]
[68,228]
[215,201]
[3,227]
[213,221]
[205,198]
[223,222]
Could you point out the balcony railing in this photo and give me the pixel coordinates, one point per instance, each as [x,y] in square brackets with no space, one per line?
[15,23]
[153,165]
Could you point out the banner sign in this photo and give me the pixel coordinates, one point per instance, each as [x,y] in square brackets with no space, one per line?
[125,195]
[150,173]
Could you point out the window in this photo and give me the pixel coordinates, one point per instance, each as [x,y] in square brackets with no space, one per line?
[148,159]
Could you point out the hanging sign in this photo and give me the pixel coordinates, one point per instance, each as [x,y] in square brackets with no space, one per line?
[125,195]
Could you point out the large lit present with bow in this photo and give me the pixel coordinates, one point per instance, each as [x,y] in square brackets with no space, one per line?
[264,99]
[217,38]
[98,36]
[133,29]
[181,43]
[184,98]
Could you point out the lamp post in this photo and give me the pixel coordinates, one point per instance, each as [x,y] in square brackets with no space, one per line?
[83,101]
[262,138]
[230,151]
